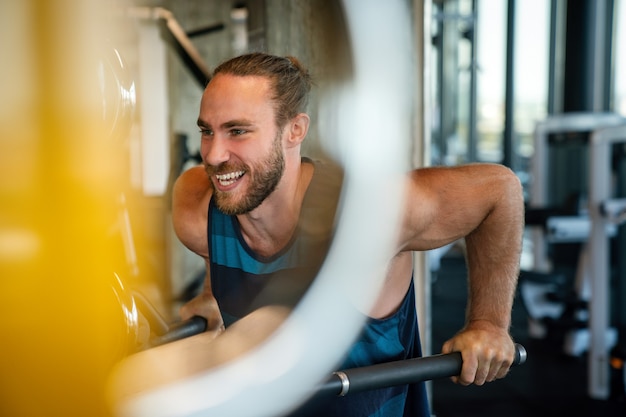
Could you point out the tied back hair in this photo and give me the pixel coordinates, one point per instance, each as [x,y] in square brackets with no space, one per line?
[290,80]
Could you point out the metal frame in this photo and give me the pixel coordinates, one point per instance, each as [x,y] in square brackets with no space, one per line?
[568,122]
[601,142]
[605,130]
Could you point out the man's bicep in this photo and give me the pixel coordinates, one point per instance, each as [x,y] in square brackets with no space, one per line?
[440,208]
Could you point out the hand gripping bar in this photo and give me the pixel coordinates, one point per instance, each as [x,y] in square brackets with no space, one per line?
[400,372]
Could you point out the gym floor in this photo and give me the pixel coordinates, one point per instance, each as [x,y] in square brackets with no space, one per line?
[548,384]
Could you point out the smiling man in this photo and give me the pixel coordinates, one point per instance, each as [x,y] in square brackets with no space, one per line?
[253,212]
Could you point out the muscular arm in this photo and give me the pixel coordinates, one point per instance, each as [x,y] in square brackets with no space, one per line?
[484,204]
[493,252]
[192,192]
[190,202]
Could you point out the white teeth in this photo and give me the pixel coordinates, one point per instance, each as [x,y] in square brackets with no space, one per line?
[230,178]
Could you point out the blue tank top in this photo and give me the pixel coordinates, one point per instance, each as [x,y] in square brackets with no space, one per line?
[243,281]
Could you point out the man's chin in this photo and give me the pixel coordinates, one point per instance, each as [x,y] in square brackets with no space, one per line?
[229,206]
[235,203]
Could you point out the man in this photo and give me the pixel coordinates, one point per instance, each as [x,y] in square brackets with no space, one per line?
[253,189]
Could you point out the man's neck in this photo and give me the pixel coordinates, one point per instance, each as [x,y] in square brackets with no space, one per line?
[271,226]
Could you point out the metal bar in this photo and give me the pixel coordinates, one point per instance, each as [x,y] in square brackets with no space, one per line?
[509,95]
[408,371]
[173,34]
[191,327]
[176,37]
[472,140]
[205,30]
[599,318]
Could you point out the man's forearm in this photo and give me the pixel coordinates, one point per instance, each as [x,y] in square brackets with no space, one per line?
[493,253]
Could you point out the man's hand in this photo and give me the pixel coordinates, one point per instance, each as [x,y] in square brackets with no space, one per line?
[204,305]
[487,350]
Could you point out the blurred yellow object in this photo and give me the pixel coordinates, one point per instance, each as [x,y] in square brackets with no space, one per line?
[61,325]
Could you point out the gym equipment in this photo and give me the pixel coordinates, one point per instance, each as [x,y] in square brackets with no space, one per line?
[117,92]
[349,381]
[197,356]
[144,327]
[602,210]
[353,380]
[408,371]
[592,225]
[162,332]
[539,198]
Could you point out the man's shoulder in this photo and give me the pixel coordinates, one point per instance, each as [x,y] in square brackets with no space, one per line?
[192,192]
[328,175]
[192,184]
[321,201]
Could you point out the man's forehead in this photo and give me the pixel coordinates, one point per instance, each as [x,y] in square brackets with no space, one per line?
[237,90]
[230,97]
[257,83]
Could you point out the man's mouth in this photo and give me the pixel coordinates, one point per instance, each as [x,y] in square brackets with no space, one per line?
[228,179]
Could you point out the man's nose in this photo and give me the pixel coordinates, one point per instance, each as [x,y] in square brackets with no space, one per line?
[215,151]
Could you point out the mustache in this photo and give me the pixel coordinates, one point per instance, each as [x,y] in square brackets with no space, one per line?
[223,168]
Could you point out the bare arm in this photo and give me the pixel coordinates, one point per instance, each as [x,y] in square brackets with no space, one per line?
[204,305]
[484,204]
[444,204]
[192,192]
[190,202]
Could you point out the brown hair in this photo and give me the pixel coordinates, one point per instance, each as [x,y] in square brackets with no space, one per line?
[291,82]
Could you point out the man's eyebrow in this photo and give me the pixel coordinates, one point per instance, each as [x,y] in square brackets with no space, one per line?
[227,125]
[237,122]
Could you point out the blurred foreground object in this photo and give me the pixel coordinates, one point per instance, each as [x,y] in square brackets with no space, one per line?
[61,324]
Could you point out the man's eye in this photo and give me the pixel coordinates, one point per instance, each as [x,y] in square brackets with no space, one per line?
[206,132]
[238,132]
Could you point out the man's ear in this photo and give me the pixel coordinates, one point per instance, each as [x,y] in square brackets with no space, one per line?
[298,128]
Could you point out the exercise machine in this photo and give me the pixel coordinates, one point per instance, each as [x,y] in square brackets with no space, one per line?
[591,222]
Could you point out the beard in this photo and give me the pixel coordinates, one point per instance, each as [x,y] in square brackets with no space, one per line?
[265,176]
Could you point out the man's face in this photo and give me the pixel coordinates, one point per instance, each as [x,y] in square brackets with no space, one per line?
[241,146]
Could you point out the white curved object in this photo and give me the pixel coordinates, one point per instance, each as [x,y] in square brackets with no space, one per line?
[375,121]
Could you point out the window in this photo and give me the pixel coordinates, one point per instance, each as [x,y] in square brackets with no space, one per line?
[619,91]
[469,86]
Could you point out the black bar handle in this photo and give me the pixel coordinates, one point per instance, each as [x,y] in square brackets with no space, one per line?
[193,326]
[400,372]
